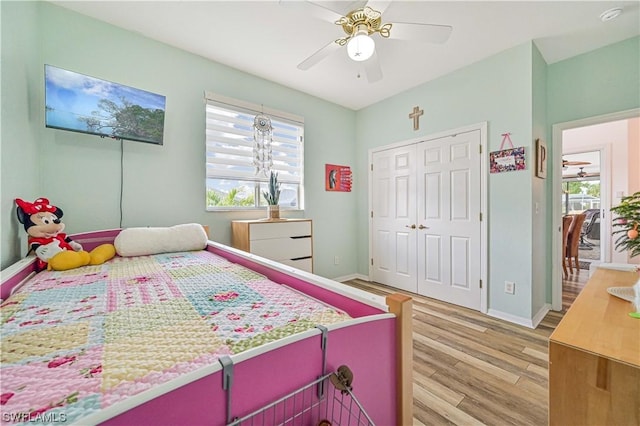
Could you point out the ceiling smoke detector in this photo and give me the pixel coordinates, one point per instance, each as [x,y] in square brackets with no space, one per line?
[610,14]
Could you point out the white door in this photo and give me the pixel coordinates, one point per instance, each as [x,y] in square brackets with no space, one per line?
[449,228]
[394,213]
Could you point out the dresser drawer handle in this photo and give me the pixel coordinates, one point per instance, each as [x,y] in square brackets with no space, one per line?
[301,258]
[297,237]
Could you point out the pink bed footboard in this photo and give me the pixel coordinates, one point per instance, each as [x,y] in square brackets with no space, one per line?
[377,347]
[259,380]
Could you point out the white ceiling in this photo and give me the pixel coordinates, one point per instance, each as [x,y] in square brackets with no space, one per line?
[268,40]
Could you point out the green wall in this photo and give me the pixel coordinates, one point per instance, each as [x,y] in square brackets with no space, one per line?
[600,82]
[20,174]
[496,90]
[542,235]
[163,185]
[595,83]
[514,91]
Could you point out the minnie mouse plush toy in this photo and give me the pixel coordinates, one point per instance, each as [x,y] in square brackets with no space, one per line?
[54,249]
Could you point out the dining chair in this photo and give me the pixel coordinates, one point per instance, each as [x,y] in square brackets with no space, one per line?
[574,240]
[566,223]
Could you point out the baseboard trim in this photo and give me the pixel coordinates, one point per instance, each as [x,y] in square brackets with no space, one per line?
[537,318]
[351,277]
[515,319]
[530,323]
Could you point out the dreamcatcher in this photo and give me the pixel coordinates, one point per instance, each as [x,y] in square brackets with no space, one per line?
[262,138]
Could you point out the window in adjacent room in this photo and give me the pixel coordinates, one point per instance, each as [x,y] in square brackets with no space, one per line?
[231,178]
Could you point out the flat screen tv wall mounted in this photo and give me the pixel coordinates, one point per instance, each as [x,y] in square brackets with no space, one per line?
[85,104]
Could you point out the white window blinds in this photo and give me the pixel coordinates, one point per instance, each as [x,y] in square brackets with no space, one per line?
[229,139]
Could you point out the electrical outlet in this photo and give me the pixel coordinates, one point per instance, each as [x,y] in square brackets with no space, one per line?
[509,287]
[336,260]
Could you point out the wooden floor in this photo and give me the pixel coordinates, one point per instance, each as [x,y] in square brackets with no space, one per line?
[472,369]
[572,286]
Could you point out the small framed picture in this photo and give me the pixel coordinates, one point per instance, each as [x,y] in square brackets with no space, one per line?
[507,160]
[541,159]
[337,178]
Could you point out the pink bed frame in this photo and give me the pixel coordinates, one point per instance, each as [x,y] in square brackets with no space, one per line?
[377,346]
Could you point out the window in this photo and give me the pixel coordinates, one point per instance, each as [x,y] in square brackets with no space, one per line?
[580,195]
[231,178]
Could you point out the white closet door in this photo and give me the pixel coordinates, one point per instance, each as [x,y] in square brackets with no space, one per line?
[448,234]
[394,214]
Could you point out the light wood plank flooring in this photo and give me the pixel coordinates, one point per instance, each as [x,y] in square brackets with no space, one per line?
[472,369]
[572,286]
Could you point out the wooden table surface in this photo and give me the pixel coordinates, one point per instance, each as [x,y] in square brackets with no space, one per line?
[599,323]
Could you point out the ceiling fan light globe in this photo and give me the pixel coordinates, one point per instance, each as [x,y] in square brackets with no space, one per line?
[360,47]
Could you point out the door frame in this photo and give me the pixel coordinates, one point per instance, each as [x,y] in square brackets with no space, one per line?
[556,192]
[482,127]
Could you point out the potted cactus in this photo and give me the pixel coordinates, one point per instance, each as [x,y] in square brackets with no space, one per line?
[272,196]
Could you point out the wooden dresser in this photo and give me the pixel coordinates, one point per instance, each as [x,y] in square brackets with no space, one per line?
[288,241]
[594,357]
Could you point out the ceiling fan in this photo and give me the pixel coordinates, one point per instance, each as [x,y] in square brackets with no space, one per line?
[361,26]
[581,175]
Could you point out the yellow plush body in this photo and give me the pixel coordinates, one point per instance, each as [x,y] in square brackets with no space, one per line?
[68,259]
[102,253]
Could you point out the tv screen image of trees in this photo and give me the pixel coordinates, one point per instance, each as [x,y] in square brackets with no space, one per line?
[81,103]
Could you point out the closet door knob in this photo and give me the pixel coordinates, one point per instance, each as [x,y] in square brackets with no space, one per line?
[423,227]
[412,226]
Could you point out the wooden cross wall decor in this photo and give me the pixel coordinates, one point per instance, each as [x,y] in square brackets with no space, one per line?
[415,115]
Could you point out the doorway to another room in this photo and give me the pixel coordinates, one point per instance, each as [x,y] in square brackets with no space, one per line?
[596,165]
[581,195]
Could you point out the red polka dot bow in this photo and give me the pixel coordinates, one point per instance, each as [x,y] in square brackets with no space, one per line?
[39,205]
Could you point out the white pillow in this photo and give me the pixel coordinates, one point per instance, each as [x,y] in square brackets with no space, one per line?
[145,241]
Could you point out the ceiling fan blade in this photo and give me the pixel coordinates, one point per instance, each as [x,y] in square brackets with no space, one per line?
[379,5]
[341,6]
[312,9]
[327,50]
[575,163]
[372,68]
[420,32]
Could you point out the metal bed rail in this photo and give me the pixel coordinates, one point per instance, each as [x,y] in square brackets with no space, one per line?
[315,404]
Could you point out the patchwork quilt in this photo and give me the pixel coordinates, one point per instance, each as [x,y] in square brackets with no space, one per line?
[78,341]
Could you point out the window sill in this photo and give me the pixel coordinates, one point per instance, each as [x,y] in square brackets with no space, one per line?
[249,210]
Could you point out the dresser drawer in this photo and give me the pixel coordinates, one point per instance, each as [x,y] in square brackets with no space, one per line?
[282,248]
[263,231]
[305,264]
[288,241]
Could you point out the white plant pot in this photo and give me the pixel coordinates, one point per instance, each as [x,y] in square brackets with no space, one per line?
[273,212]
